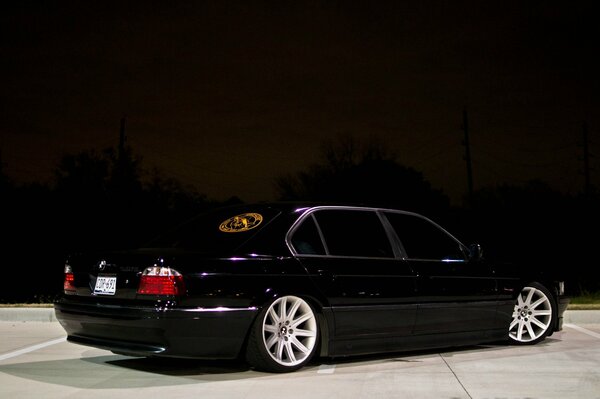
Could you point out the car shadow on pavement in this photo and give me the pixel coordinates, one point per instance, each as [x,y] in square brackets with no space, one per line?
[178,367]
[102,370]
[424,357]
[116,371]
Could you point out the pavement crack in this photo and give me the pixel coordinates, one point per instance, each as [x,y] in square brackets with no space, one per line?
[455,376]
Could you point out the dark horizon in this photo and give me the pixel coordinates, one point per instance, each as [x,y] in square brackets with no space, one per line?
[228,96]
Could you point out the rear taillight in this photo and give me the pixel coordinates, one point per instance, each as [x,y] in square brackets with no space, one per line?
[69,282]
[161,280]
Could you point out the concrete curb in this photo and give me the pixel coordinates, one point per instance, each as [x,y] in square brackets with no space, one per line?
[27,314]
[582,317]
[47,315]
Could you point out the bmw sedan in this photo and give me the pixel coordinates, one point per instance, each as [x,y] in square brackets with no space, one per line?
[276,284]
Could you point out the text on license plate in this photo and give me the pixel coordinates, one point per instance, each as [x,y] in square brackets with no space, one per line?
[105,285]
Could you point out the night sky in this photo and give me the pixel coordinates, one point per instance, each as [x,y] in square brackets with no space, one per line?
[226,96]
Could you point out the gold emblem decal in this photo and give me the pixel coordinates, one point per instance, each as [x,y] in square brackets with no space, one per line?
[239,223]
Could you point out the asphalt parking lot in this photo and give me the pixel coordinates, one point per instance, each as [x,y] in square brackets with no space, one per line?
[36,361]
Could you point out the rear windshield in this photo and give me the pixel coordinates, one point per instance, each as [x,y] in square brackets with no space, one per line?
[222,230]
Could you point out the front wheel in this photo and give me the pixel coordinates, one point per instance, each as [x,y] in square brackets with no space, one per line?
[284,336]
[533,315]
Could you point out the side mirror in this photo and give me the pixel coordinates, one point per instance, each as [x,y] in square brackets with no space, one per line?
[475,252]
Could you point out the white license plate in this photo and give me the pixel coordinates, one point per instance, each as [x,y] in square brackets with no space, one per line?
[105,285]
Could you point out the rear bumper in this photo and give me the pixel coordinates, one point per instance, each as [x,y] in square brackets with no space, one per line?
[202,333]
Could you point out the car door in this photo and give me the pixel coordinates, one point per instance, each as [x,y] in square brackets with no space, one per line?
[349,256]
[456,294]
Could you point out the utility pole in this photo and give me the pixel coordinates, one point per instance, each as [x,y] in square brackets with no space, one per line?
[122,139]
[467,157]
[587,189]
[120,170]
[3,178]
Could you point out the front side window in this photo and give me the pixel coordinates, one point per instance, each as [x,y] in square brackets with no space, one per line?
[353,233]
[424,240]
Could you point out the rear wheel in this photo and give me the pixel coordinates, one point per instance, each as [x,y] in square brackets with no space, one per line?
[533,315]
[284,336]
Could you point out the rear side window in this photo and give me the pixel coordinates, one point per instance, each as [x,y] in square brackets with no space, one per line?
[306,239]
[353,233]
[218,231]
[424,240]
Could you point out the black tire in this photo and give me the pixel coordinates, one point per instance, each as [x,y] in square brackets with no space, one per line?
[534,315]
[284,336]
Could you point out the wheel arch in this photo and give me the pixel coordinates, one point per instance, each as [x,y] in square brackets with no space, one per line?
[534,330]
[321,309]
[552,286]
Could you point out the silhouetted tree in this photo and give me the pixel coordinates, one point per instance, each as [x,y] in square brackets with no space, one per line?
[6,194]
[539,227]
[32,229]
[125,174]
[513,220]
[5,182]
[362,172]
[82,182]
[168,202]
[108,203]
[99,199]
[85,175]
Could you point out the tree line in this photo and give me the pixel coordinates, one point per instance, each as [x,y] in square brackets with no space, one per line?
[107,199]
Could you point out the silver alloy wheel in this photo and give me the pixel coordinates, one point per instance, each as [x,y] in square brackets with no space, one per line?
[532,316]
[289,331]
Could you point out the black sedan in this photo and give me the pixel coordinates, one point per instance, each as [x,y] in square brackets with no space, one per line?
[279,283]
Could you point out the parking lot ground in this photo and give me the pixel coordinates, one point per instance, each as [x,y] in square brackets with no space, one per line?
[36,362]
